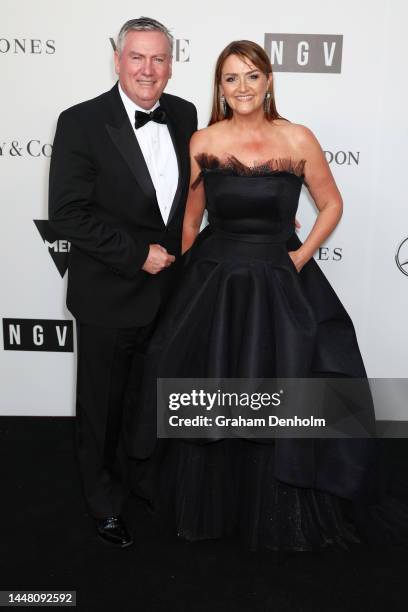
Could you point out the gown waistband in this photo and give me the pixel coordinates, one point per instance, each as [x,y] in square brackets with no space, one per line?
[254,238]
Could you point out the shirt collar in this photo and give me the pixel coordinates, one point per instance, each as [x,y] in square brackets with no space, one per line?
[131,107]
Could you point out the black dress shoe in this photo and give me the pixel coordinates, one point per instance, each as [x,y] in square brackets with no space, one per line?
[112,530]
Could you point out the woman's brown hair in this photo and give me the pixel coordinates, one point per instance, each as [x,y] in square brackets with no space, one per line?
[247,51]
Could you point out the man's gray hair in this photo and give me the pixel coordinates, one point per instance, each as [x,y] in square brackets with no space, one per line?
[142,24]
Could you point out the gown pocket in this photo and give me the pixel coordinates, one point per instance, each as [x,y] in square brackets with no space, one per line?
[291,263]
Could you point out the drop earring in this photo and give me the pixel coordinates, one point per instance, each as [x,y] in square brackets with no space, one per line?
[223,105]
[267,102]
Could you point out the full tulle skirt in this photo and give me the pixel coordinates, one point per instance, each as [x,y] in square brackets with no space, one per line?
[242,310]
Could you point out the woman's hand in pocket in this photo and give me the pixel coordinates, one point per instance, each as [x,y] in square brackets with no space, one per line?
[298,259]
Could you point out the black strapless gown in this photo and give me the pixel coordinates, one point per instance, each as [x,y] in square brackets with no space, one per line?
[243,310]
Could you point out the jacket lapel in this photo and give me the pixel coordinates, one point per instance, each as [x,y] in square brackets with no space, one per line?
[124,139]
[179,144]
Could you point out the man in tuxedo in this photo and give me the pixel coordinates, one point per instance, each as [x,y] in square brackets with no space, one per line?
[118,185]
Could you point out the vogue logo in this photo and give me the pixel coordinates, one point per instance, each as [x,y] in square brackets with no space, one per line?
[181,49]
[58,248]
[401,257]
[33,148]
[305,52]
[28,46]
[38,335]
[343,158]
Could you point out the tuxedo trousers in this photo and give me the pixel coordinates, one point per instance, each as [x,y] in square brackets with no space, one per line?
[109,373]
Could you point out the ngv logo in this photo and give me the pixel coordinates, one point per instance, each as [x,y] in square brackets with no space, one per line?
[181,49]
[38,335]
[305,52]
[57,247]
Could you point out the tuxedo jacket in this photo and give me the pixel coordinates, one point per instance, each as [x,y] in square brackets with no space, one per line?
[102,199]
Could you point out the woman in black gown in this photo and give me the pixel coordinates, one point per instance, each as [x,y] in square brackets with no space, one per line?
[252,302]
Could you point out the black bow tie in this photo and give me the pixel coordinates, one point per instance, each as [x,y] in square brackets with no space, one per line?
[158,115]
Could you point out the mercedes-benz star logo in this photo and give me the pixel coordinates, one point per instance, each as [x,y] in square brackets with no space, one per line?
[401,257]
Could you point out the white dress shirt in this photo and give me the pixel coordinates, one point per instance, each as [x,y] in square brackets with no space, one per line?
[158,150]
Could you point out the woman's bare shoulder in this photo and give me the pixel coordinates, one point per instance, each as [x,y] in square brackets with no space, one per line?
[298,133]
[297,136]
[203,139]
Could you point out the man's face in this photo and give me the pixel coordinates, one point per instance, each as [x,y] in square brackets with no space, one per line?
[144,67]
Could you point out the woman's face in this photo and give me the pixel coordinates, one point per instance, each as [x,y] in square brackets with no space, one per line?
[243,85]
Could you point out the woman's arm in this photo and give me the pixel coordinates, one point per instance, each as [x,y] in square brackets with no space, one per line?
[195,206]
[323,189]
